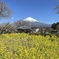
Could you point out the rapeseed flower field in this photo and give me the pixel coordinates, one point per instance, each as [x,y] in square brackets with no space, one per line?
[25,46]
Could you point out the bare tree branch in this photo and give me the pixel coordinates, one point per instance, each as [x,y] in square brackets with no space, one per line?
[4,10]
[57,8]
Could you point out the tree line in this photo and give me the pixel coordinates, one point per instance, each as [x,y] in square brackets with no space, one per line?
[5,12]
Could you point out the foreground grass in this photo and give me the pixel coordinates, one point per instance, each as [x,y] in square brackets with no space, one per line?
[24,46]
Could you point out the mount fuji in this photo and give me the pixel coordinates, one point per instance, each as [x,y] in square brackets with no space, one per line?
[30,19]
[35,23]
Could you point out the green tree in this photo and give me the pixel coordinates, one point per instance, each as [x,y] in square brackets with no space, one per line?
[55,26]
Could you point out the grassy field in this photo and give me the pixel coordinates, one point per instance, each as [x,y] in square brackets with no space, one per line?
[24,46]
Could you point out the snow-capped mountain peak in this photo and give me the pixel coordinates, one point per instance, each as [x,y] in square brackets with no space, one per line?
[30,19]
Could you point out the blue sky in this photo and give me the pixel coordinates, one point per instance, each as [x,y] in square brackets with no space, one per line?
[42,10]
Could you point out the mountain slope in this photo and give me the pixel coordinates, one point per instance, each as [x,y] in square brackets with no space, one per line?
[39,24]
[35,23]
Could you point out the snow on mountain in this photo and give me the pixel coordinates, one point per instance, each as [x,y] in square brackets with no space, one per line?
[35,23]
[30,19]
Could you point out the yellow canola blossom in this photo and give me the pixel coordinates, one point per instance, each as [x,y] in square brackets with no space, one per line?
[25,46]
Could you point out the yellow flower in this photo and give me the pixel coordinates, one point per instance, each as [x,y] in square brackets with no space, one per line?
[33,57]
[11,58]
[17,58]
